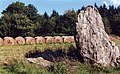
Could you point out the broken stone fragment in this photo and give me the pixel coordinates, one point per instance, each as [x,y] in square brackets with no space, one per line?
[40,61]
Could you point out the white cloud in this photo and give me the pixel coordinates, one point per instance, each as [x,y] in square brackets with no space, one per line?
[104,2]
[115,2]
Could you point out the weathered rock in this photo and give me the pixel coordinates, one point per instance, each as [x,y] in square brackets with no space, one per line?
[93,42]
[40,61]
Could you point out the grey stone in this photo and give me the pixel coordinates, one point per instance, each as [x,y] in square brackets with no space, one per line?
[92,41]
[40,61]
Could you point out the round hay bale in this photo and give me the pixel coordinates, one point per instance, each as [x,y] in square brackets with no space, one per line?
[71,39]
[48,39]
[39,39]
[112,37]
[20,40]
[65,38]
[30,40]
[57,39]
[8,41]
[68,39]
[117,37]
[1,41]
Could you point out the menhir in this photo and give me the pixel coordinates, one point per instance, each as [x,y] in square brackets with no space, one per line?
[93,43]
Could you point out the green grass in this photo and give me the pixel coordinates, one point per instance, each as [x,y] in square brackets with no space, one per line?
[18,51]
[23,68]
[117,41]
[20,65]
[15,55]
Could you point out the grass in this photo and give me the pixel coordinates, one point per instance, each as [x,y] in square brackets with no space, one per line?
[18,51]
[14,56]
[117,41]
[20,66]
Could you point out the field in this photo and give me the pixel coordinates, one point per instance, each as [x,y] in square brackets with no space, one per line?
[13,61]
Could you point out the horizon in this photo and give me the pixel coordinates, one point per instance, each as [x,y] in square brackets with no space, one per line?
[59,5]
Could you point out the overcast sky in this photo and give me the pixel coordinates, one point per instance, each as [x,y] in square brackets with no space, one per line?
[58,5]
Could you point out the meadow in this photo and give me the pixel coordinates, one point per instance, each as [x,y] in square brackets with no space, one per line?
[13,61]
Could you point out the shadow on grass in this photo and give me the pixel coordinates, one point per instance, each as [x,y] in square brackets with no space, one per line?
[54,56]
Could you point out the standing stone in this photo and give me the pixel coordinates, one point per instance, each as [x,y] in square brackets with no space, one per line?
[93,43]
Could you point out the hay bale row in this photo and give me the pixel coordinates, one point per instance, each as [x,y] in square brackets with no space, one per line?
[57,39]
[19,40]
[8,41]
[38,39]
[68,39]
[30,40]
[48,39]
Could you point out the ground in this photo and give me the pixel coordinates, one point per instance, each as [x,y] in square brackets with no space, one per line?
[13,61]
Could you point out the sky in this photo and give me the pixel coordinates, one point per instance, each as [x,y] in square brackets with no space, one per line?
[59,5]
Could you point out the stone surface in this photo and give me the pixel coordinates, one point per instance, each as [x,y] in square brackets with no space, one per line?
[92,41]
[40,61]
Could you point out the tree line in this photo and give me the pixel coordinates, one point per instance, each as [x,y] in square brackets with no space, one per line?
[19,19]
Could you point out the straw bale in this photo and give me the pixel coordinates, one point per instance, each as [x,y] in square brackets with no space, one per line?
[57,39]
[8,41]
[68,39]
[39,39]
[30,40]
[48,39]
[20,40]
